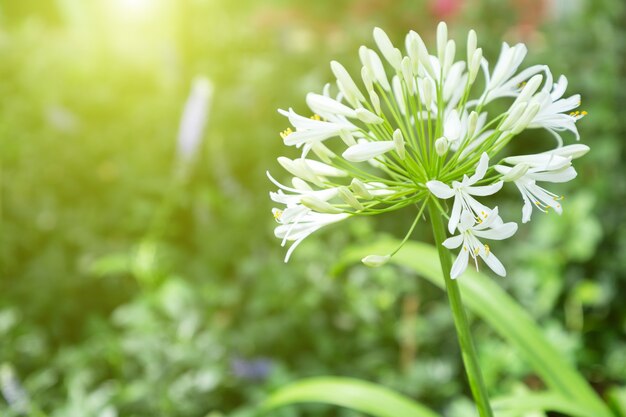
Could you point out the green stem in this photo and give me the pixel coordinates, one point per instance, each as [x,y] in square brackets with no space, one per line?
[468,352]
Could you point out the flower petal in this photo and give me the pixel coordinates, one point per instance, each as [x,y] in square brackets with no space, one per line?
[493,263]
[452,126]
[439,189]
[453,242]
[455,215]
[502,232]
[481,169]
[460,263]
[484,190]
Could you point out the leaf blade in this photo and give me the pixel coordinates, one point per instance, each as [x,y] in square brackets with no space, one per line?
[493,305]
[348,392]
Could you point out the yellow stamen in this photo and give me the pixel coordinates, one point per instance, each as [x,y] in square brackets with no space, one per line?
[278,214]
[487,250]
[316,117]
[286,133]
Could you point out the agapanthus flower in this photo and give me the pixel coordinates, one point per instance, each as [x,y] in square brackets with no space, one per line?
[412,127]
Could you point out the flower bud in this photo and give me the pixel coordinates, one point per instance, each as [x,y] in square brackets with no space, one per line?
[368,117]
[428,88]
[472,120]
[300,170]
[474,65]
[418,49]
[371,60]
[515,112]
[346,84]
[441,146]
[346,195]
[529,89]
[471,45]
[360,190]
[375,102]
[526,118]
[398,94]
[448,57]
[398,140]
[318,205]
[367,79]
[391,54]
[374,261]
[322,152]
[407,74]
[442,40]
[366,150]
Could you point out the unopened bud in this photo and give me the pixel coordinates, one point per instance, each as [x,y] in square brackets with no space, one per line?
[322,152]
[374,261]
[368,117]
[527,118]
[474,65]
[346,84]
[318,205]
[360,190]
[346,195]
[448,57]
[442,40]
[515,112]
[407,74]
[472,120]
[529,89]
[417,48]
[391,54]
[471,45]
[396,86]
[367,79]
[398,140]
[375,102]
[428,89]
[441,146]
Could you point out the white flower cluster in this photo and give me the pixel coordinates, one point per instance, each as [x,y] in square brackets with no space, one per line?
[422,133]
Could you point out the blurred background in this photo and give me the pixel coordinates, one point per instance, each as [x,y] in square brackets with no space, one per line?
[139,271]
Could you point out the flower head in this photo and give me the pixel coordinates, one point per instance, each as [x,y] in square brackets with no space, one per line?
[412,127]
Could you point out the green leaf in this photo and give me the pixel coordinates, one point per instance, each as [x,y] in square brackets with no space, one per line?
[492,304]
[358,395]
[617,399]
[543,401]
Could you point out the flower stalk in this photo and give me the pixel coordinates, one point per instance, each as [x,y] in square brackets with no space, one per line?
[468,352]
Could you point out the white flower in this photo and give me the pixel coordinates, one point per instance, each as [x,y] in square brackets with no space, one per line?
[541,167]
[503,82]
[469,231]
[311,130]
[463,192]
[298,222]
[425,131]
[551,115]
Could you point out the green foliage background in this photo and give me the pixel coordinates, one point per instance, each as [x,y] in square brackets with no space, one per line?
[128,290]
